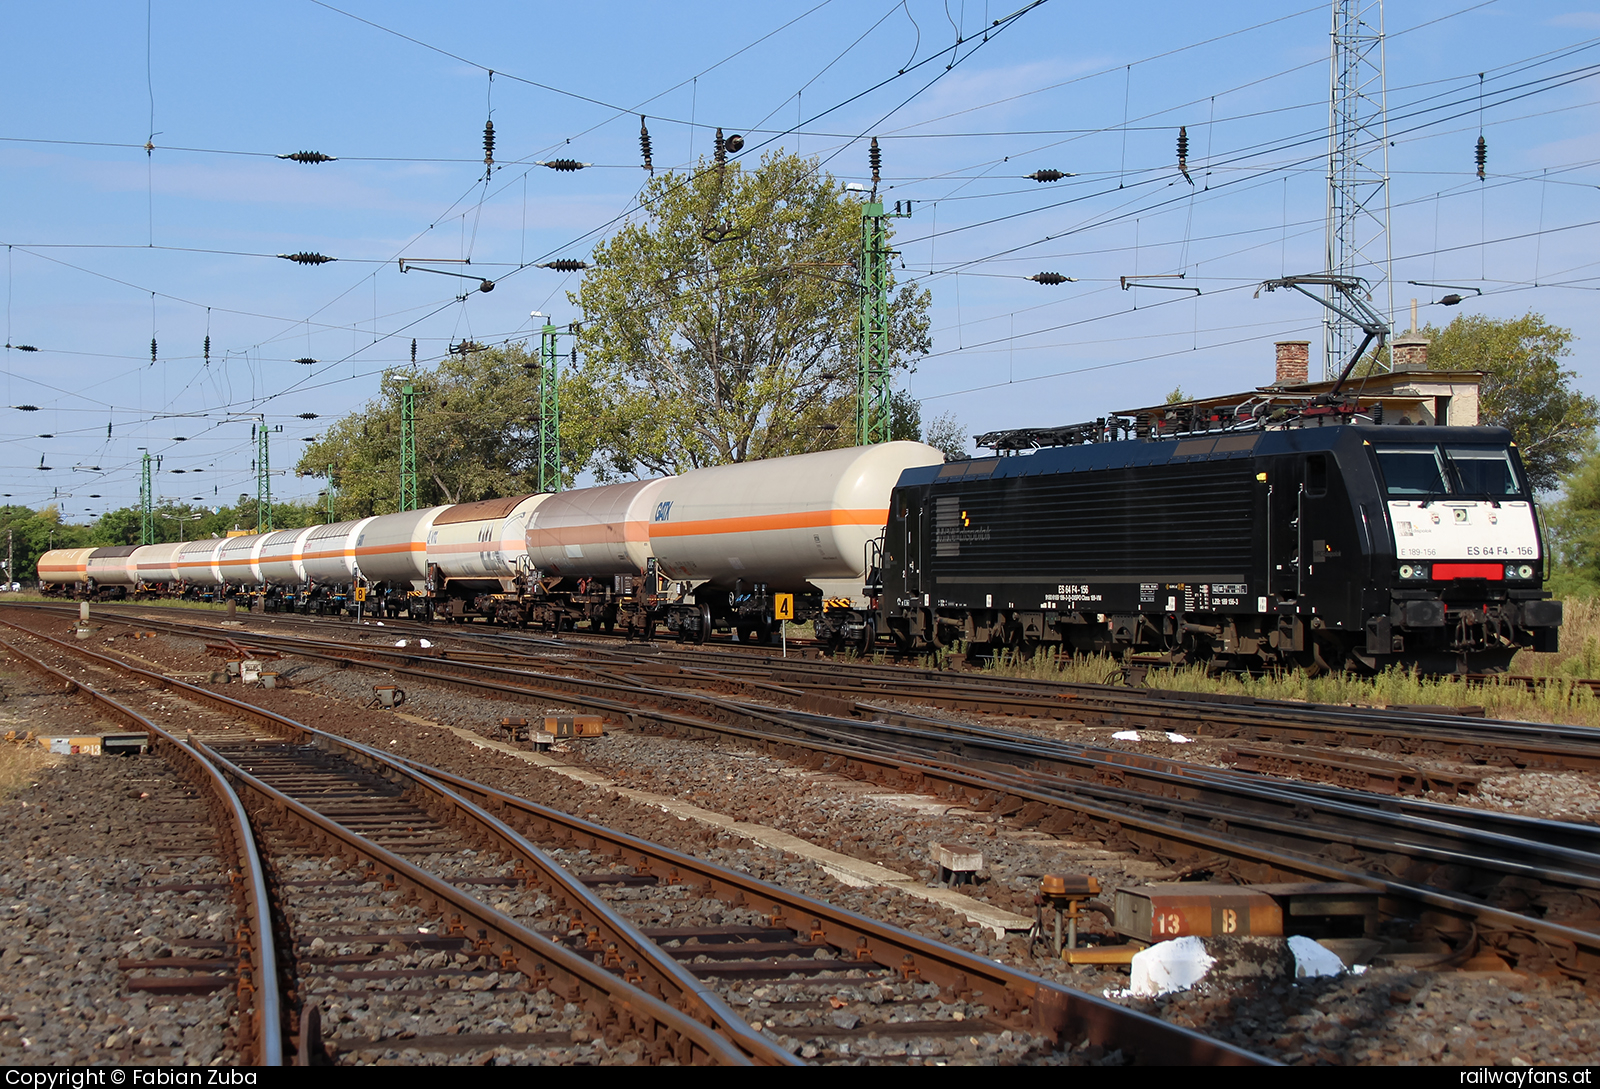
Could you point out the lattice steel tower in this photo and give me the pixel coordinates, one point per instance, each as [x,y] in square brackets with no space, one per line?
[1358,169]
[408,448]
[549,421]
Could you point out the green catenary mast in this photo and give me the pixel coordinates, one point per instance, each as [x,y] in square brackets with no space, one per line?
[147,520]
[408,447]
[549,412]
[873,390]
[263,482]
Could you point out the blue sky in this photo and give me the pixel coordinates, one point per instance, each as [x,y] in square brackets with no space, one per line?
[107,246]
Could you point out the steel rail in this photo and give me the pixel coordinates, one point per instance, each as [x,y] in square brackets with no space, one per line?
[1438,827]
[1574,950]
[541,961]
[258,957]
[1057,1011]
[665,973]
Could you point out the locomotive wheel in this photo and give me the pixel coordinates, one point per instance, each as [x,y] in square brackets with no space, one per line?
[704,631]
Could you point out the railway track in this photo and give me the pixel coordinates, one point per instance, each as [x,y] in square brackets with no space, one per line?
[388,821]
[1505,884]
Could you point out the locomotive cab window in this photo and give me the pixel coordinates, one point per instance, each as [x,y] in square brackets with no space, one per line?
[1460,470]
[1484,470]
[1412,470]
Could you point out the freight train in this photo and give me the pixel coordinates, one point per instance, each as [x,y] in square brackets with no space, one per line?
[715,549]
[1326,547]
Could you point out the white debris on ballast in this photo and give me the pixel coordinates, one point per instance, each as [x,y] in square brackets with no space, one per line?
[1170,966]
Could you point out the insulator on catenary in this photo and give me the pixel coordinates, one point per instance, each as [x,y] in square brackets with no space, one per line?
[644,145]
[310,157]
[306,359]
[23,347]
[413,350]
[565,264]
[1048,175]
[1052,278]
[1183,153]
[152,351]
[488,144]
[1482,155]
[719,152]
[564,165]
[308,416]
[875,159]
[208,349]
[303,258]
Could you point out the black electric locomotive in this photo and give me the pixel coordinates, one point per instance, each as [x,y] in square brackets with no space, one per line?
[1345,546]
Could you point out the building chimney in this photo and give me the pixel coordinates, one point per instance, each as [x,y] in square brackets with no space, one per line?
[1409,351]
[1294,358]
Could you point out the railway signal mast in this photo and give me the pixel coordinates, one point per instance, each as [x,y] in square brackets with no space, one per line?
[1358,172]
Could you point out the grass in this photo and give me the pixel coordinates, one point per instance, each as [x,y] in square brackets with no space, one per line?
[159,603]
[20,765]
[1555,699]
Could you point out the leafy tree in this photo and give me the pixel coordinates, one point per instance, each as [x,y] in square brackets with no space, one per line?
[35,532]
[946,433]
[1572,525]
[1177,396]
[722,327]
[175,521]
[476,436]
[1524,387]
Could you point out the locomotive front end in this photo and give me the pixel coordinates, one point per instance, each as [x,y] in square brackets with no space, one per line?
[1465,580]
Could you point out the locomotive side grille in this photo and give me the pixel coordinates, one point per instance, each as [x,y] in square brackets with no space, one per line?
[1109,523]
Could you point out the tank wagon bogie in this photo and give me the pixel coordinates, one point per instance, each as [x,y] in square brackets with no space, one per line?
[1326,547]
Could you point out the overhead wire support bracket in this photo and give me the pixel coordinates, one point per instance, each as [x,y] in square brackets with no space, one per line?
[1139,281]
[483,285]
[1451,299]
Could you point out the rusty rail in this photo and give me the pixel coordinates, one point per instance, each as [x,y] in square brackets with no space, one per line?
[257,949]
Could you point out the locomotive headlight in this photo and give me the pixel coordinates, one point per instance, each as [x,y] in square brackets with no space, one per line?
[1525,572]
[1413,570]
[1511,570]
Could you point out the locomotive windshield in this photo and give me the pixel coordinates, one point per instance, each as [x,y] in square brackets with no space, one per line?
[1465,469]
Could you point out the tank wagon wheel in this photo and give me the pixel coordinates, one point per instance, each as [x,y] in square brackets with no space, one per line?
[704,631]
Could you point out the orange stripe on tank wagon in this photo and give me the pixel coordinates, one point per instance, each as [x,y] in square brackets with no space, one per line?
[759,523]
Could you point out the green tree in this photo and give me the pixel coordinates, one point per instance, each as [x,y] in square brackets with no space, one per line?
[476,436]
[722,326]
[946,433]
[35,532]
[1524,387]
[1572,528]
